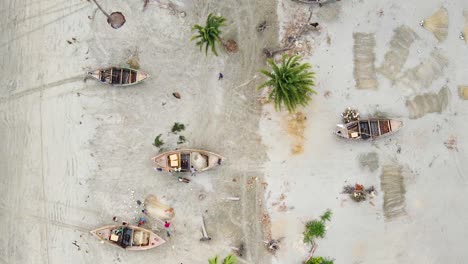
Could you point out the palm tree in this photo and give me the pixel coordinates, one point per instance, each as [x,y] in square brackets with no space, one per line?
[319,260]
[115,19]
[316,228]
[209,35]
[291,81]
[229,259]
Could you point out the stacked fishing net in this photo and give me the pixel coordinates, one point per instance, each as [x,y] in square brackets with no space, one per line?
[350,114]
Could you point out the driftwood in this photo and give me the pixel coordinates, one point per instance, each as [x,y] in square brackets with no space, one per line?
[205,236]
[239,250]
[318,2]
[291,39]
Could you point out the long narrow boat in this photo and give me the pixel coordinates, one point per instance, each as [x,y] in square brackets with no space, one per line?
[118,76]
[184,159]
[128,237]
[368,128]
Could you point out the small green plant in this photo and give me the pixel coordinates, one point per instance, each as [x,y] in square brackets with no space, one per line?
[316,228]
[177,127]
[181,140]
[319,260]
[158,141]
[229,259]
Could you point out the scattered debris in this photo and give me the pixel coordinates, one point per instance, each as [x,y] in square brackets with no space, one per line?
[173,9]
[232,198]
[273,244]
[358,193]
[262,26]
[380,13]
[318,2]
[145,4]
[271,53]
[239,250]
[176,95]
[201,197]
[78,246]
[451,143]
[182,179]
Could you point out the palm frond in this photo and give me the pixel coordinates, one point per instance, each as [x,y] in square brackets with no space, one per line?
[326,216]
[230,259]
[213,260]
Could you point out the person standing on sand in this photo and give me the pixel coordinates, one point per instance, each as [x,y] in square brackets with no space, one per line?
[220,77]
[166,226]
[192,170]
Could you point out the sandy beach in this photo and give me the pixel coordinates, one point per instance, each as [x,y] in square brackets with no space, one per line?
[76,153]
[417,83]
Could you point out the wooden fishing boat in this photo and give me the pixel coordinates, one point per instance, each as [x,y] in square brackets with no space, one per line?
[118,76]
[182,160]
[368,128]
[128,237]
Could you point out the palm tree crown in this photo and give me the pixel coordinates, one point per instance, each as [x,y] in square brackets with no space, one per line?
[229,259]
[291,83]
[209,35]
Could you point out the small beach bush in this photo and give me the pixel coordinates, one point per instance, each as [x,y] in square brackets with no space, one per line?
[158,141]
[177,127]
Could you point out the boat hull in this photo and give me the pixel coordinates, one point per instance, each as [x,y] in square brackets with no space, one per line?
[140,238]
[118,76]
[182,160]
[368,129]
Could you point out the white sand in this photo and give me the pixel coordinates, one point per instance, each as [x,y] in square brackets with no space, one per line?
[75,154]
[433,231]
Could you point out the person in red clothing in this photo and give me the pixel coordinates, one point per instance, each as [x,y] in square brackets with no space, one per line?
[167,225]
